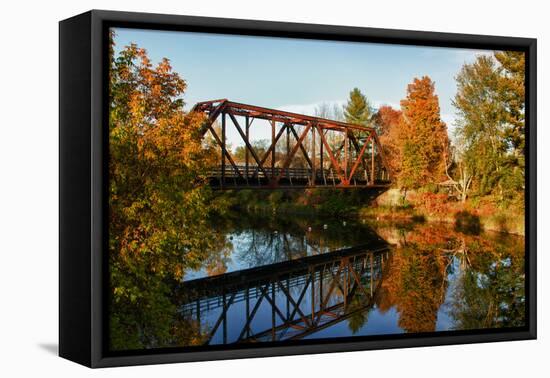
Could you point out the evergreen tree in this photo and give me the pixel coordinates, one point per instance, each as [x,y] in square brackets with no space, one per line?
[358,110]
[423,141]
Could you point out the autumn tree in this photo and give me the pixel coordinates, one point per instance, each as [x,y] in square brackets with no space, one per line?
[476,280]
[422,289]
[158,200]
[414,281]
[422,139]
[387,120]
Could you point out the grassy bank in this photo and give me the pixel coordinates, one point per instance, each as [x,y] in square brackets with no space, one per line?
[476,214]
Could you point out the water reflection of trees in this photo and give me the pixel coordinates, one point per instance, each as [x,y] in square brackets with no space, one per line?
[479,278]
[490,291]
[267,240]
[144,314]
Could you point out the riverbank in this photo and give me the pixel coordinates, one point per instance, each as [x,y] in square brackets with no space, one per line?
[474,215]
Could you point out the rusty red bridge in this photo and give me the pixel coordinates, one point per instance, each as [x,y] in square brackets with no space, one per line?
[304,151]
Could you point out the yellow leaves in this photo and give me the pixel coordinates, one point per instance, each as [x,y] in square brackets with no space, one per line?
[164,66]
[122,292]
[158,203]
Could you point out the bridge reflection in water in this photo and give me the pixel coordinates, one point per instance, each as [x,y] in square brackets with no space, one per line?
[285,301]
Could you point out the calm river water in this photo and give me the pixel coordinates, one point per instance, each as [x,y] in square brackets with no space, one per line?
[289,278]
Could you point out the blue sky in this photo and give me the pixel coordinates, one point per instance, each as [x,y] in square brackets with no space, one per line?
[298,75]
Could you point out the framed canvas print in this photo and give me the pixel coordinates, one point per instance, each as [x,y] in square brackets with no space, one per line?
[234,188]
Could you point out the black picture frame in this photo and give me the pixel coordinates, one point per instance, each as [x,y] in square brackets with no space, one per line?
[83,193]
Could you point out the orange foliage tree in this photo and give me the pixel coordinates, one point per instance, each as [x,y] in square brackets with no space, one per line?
[158,200]
[387,121]
[415,283]
[423,141]
[484,273]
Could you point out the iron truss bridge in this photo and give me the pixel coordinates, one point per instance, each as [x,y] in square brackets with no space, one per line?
[303,151]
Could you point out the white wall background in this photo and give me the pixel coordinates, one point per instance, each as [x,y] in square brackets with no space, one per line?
[29,186]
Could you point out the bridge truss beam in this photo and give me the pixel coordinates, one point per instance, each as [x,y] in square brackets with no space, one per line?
[332,153]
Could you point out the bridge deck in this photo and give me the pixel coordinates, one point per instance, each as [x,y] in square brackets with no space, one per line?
[241,176]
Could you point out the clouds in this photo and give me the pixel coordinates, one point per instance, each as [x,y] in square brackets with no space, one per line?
[310,109]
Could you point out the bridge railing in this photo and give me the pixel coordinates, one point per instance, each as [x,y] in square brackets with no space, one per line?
[324,176]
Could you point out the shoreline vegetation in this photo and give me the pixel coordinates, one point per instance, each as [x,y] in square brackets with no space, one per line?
[472,216]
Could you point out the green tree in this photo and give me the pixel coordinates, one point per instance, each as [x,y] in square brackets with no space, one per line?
[423,141]
[480,119]
[359,313]
[260,147]
[512,89]
[477,280]
[358,109]
[490,125]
